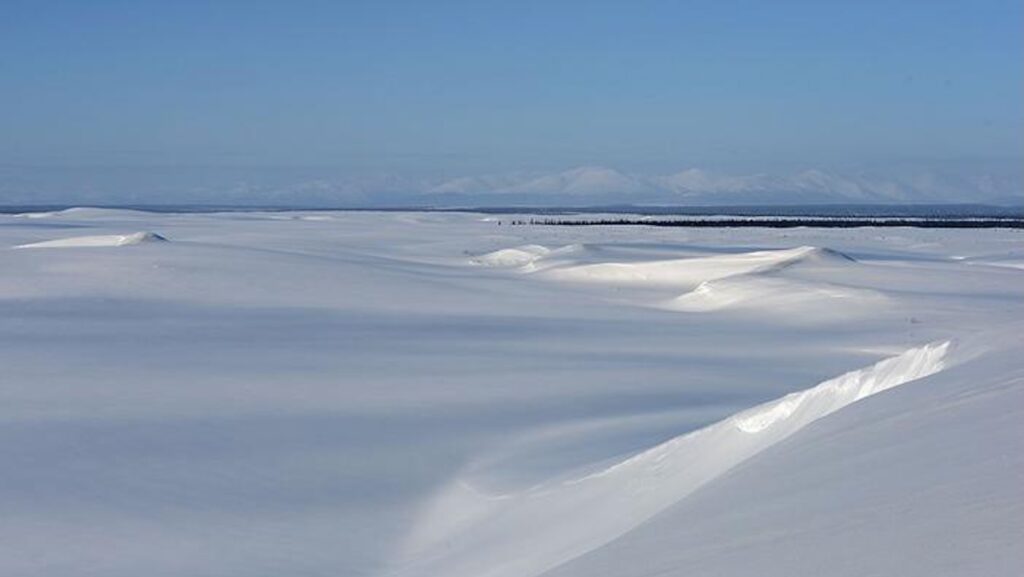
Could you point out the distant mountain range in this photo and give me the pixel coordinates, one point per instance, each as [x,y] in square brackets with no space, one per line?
[996,184]
[596,184]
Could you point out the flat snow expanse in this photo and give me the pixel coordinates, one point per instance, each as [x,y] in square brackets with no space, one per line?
[441,395]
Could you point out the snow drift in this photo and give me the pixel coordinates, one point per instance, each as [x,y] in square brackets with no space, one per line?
[107,240]
[778,296]
[512,257]
[468,533]
[688,272]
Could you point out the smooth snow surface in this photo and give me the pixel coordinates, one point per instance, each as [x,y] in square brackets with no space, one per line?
[443,395]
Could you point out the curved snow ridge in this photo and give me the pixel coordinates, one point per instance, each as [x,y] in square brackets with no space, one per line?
[694,270]
[107,240]
[811,404]
[467,533]
[776,295]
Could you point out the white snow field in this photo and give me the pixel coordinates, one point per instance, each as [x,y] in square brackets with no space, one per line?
[394,394]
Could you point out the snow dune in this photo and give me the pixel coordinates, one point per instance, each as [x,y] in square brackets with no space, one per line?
[468,533]
[747,281]
[776,295]
[568,263]
[106,240]
[688,272]
[512,257]
[84,212]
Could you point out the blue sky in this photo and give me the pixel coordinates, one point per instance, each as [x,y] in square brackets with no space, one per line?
[458,88]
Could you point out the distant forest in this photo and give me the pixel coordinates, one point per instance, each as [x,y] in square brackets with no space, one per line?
[779,222]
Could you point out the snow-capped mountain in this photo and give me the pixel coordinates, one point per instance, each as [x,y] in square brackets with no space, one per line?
[584,181]
[580,186]
[595,184]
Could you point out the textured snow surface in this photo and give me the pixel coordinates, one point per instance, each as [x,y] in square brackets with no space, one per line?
[438,395]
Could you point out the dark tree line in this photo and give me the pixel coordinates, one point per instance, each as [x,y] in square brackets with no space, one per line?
[782,222]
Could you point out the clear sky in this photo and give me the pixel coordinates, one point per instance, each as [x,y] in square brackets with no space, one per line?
[472,87]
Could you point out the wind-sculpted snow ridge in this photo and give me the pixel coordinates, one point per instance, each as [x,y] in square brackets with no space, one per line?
[467,533]
[778,296]
[108,240]
[689,272]
[84,212]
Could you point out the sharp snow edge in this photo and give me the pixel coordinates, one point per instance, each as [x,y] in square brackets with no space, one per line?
[98,241]
[465,533]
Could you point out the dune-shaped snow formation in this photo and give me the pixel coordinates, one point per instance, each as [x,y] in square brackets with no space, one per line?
[98,241]
[775,295]
[693,271]
[512,257]
[466,533]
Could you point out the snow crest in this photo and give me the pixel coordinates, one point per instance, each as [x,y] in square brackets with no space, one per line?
[780,296]
[811,404]
[468,533]
[690,272]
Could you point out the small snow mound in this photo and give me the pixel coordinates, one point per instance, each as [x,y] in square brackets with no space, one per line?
[98,241]
[820,253]
[512,257]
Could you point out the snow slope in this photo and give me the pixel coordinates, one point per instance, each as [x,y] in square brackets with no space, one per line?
[692,271]
[103,240]
[905,483]
[755,294]
[471,533]
[425,394]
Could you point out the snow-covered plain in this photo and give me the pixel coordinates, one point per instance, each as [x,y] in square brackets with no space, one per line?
[438,395]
